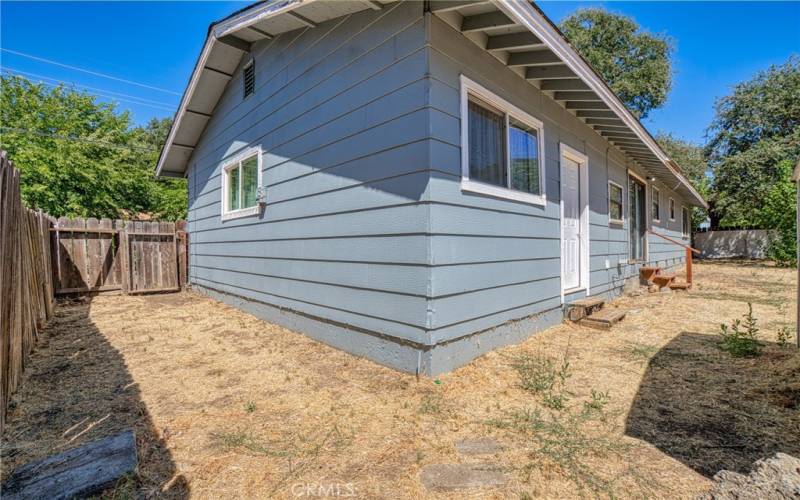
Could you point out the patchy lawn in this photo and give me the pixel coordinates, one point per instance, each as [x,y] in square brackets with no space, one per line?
[225,405]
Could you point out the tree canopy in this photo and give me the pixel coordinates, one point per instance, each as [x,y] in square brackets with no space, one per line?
[755,130]
[636,64]
[81,157]
[691,158]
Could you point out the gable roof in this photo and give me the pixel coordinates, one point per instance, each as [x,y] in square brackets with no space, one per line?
[515,31]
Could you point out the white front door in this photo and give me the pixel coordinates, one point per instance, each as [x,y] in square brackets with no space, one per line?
[571,223]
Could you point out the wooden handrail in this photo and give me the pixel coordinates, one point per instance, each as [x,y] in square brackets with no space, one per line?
[689,250]
[684,245]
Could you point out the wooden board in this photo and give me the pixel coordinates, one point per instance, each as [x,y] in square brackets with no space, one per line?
[79,472]
[604,319]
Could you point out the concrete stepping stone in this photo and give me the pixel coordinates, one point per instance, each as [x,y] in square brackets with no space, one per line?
[478,446]
[461,476]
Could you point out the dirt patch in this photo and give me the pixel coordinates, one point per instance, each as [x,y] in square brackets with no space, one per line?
[225,405]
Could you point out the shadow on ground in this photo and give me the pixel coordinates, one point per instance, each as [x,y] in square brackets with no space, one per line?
[711,411]
[76,389]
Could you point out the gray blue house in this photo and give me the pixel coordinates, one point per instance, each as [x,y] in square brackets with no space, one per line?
[414,182]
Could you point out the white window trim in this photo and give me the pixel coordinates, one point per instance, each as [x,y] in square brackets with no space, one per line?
[227,167]
[656,216]
[469,87]
[670,209]
[622,202]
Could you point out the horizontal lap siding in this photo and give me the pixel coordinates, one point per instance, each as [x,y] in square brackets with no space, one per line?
[501,259]
[341,116]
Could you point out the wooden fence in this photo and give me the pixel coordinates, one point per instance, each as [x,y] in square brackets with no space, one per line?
[26,280]
[43,257]
[92,255]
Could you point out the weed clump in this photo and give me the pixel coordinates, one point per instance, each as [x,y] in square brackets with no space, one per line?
[784,334]
[556,433]
[431,404]
[540,376]
[740,338]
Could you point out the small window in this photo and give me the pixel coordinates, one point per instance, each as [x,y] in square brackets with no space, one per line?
[249,79]
[614,202]
[501,147]
[686,222]
[241,184]
[656,201]
[671,209]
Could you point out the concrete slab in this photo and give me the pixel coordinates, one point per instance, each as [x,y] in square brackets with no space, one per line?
[479,446]
[461,476]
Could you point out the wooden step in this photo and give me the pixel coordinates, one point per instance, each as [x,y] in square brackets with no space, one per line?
[605,319]
[647,273]
[682,285]
[663,280]
[582,308]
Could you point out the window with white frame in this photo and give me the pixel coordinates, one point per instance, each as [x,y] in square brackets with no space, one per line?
[686,222]
[241,182]
[671,209]
[615,202]
[656,204]
[502,147]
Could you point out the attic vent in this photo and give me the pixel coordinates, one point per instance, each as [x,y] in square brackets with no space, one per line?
[249,79]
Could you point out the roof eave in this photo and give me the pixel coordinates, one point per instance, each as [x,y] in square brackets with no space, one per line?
[225,26]
[530,17]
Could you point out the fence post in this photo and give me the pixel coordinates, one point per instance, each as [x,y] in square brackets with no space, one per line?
[182,242]
[125,255]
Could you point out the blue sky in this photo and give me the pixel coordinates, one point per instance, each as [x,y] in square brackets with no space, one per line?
[155,44]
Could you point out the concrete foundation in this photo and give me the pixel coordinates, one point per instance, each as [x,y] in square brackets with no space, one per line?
[409,357]
[406,356]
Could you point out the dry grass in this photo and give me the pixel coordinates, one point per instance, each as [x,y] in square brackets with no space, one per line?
[225,405]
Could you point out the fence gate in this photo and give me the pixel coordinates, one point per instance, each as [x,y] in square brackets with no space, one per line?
[91,255]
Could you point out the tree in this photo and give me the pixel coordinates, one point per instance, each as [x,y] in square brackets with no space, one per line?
[765,107]
[756,128]
[691,158]
[169,197]
[80,157]
[778,211]
[636,64]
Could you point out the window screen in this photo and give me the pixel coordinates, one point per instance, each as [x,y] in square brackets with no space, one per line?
[656,208]
[241,180]
[523,141]
[614,202]
[503,151]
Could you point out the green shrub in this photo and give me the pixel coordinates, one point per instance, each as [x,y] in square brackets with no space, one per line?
[740,338]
